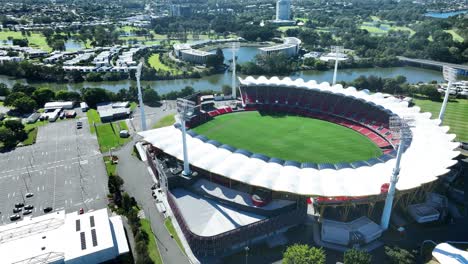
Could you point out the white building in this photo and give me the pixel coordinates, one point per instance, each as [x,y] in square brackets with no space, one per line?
[283,10]
[185,52]
[10,59]
[93,237]
[290,47]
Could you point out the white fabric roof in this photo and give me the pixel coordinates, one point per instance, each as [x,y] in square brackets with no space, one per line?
[430,154]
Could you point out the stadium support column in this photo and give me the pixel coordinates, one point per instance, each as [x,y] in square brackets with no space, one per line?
[402,130]
[234,48]
[185,110]
[450,75]
[140,97]
[337,50]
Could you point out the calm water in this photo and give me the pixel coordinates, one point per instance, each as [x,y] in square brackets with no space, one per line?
[244,54]
[445,15]
[73,45]
[215,82]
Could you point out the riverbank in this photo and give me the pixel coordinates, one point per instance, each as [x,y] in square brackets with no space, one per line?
[215,82]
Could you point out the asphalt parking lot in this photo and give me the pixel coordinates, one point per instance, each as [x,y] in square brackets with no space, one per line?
[64,170]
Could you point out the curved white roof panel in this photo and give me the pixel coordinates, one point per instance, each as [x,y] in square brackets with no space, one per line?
[429,155]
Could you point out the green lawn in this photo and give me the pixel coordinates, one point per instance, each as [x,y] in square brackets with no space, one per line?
[93,117]
[32,135]
[171,230]
[290,137]
[36,40]
[108,135]
[110,168]
[165,121]
[155,63]
[456,115]
[152,246]
[455,35]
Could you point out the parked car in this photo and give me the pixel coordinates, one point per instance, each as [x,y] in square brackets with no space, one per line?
[62,115]
[26,212]
[81,211]
[29,195]
[17,210]
[18,205]
[47,209]
[28,207]
[15,217]
[79,125]
[70,114]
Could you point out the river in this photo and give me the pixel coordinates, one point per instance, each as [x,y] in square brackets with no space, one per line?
[215,82]
[445,14]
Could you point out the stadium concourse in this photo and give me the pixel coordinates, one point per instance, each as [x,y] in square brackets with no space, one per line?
[428,155]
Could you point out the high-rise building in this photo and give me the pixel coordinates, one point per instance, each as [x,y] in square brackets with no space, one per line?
[283,10]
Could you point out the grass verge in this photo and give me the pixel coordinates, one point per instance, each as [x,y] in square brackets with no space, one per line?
[111,168]
[93,117]
[32,135]
[165,121]
[152,246]
[108,135]
[171,230]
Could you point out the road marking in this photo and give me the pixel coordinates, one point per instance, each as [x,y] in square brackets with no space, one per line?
[8,195]
[37,188]
[13,194]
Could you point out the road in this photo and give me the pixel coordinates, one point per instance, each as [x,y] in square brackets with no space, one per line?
[64,170]
[153,115]
[137,182]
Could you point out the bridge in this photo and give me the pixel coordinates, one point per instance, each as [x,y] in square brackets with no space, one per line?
[462,69]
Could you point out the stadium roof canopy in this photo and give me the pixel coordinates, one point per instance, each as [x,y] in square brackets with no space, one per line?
[429,155]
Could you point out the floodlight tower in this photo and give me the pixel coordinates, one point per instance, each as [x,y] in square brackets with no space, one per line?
[450,75]
[338,50]
[401,129]
[140,97]
[234,48]
[185,109]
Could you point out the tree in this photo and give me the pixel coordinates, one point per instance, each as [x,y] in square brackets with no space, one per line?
[43,95]
[4,91]
[354,256]
[430,91]
[64,95]
[9,99]
[151,97]
[93,96]
[398,255]
[126,202]
[7,137]
[303,254]
[215,60]
[21,42]
[226,89]
[24,105]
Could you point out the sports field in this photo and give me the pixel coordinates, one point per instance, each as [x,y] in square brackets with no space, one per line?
[290,137]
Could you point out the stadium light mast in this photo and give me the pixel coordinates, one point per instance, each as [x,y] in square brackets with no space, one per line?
[234,48]
[338,50]
[140,97]
[450,75]
[401,129]
[185,109]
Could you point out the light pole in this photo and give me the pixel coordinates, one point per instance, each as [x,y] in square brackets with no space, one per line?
[140,97]
[338,50]
[246,254]
[450,75]
[185,109]
[234,48]
[401,130]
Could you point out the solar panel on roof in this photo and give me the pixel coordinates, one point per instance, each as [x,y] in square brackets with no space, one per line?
[94,237]
[83,240]
[78,225]
[91,220]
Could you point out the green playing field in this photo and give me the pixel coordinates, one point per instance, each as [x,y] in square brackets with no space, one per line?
[290,137]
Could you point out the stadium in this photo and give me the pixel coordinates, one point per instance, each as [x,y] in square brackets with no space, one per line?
[290,148]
